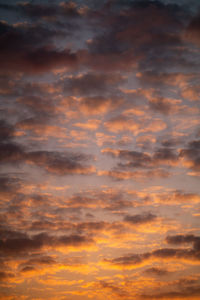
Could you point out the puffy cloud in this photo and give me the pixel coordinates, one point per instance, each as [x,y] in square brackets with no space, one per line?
[134,260]
[133,40]
[191,156]
[9,185]
[118,74]
[120,174]
[191,93]
[98,105]
[193,29]
[43,11]
[91,84]
[54,162]
[176,197]
[140,219]
[184,239]
[144,160]
[30,53]
[16,243]
[41,128]
[122,123]
[186,292]
[5,276]
[60,163]
[139,164]
[91,124]
[156,271]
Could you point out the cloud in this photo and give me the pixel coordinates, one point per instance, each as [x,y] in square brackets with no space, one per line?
[11,153]
[140,164]
[9,185]
[132,40]
[140,219]
[53,162]
[122,123]
[91,124]
[191,156]
[186,293]
[193,29]
[41,128]
[98,104]
[191,93]
[184,239]
[28,49]
[60,163]
[165,105]
[6,131]
[156,271]
[132,260]
[119,174]
[119,78]
[44,11]
[39,105]
[108,199]
[5,276]
[91,84]
[177,197]
[16,243]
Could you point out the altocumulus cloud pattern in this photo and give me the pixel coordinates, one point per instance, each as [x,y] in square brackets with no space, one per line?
[99,150]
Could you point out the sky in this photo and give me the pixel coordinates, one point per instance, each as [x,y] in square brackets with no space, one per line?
[99,150]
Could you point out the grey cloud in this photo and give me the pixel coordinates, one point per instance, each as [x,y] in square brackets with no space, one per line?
[140,219]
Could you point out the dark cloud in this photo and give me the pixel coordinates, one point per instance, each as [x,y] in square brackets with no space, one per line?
[92,84]
[9,185]
[39,105]
[171,142]
[140,219]
[64,61]
[17,243]
[30,49]
[99,104]
[144,34]
[136,159]
[116,290]
[139,160]
[11,152]
[186,292]
[5,276]
[27,269]
[53,162]
[163,253]
[61,163]
[192,32]
[156,271]
[6,131]
[112,201]
[44,11]
[165,154]
[191,155]
[184,239]
[38,261]
[179,197]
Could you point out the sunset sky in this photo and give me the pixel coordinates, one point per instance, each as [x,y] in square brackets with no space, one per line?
[99,150]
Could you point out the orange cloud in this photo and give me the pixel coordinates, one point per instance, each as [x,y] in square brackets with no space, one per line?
[90,125]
